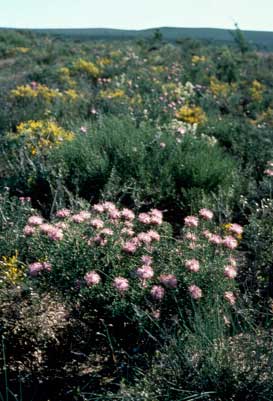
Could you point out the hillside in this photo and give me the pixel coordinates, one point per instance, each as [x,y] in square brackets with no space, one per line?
[260,39]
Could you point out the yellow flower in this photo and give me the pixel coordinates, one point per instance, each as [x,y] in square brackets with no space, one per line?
[256,91]
[191,115]
[10,269]
[198,59]
[108,94]
[42,135]
[88,67]
[219,88]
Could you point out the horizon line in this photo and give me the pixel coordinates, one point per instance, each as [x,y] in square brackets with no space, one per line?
[135,29]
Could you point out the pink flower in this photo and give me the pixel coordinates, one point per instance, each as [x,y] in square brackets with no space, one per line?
[106,232]
[153,235]
[63,213]
[215,239]
[144,237]
[85,214]
[28,230]
[156,213]
[146,259]
[162,145]
[230,272]
[144,218]
[169,280]
[191,221]
[97,240]
[97,223]
[62,225]
[35,220]
[230,242]
[114,214]
[77,218]
[192,265]
[109,206]
[207,234]
[127,214]
[268,172]
[121,284]
[127,231]
[206,214]
[157,292]
[92,278]
[156,217]
[129,247]
[56,234]
[196,292]
[236,229]
[155,220]
[190,236]
[98,208]
[35,268]
[46,228]
[230,297]
[145,272]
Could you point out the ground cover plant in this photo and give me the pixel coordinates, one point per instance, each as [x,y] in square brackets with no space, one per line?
[136,220]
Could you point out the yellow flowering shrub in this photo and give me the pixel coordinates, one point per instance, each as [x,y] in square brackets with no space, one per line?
[103,61]
[44,93]
[65,76]
[256,91]
[42,135]
[191,114]
[10,270]
[22,50]
[219,88]
[111,94]
[71,94]
[28,91]
[87,67]
[198,59]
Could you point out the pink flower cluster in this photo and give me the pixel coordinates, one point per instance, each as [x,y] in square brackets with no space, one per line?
[154,217]
[121,284]
[62,213]
[269,171]
[36,267]
[230,297]
[168,280]
[192,265]
[236,229]
[195,292]
[92,278]
[230,272]
[191,221]
[157,292]
[206,214]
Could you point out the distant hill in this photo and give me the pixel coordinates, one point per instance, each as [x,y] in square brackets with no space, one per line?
[261,39]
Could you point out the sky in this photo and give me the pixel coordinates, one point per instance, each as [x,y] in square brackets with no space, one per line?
[137,14]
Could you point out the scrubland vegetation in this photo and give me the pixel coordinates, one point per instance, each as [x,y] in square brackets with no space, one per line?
[136,212]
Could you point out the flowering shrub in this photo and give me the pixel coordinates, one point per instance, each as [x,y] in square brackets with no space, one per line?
[191,115]
[40,136]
